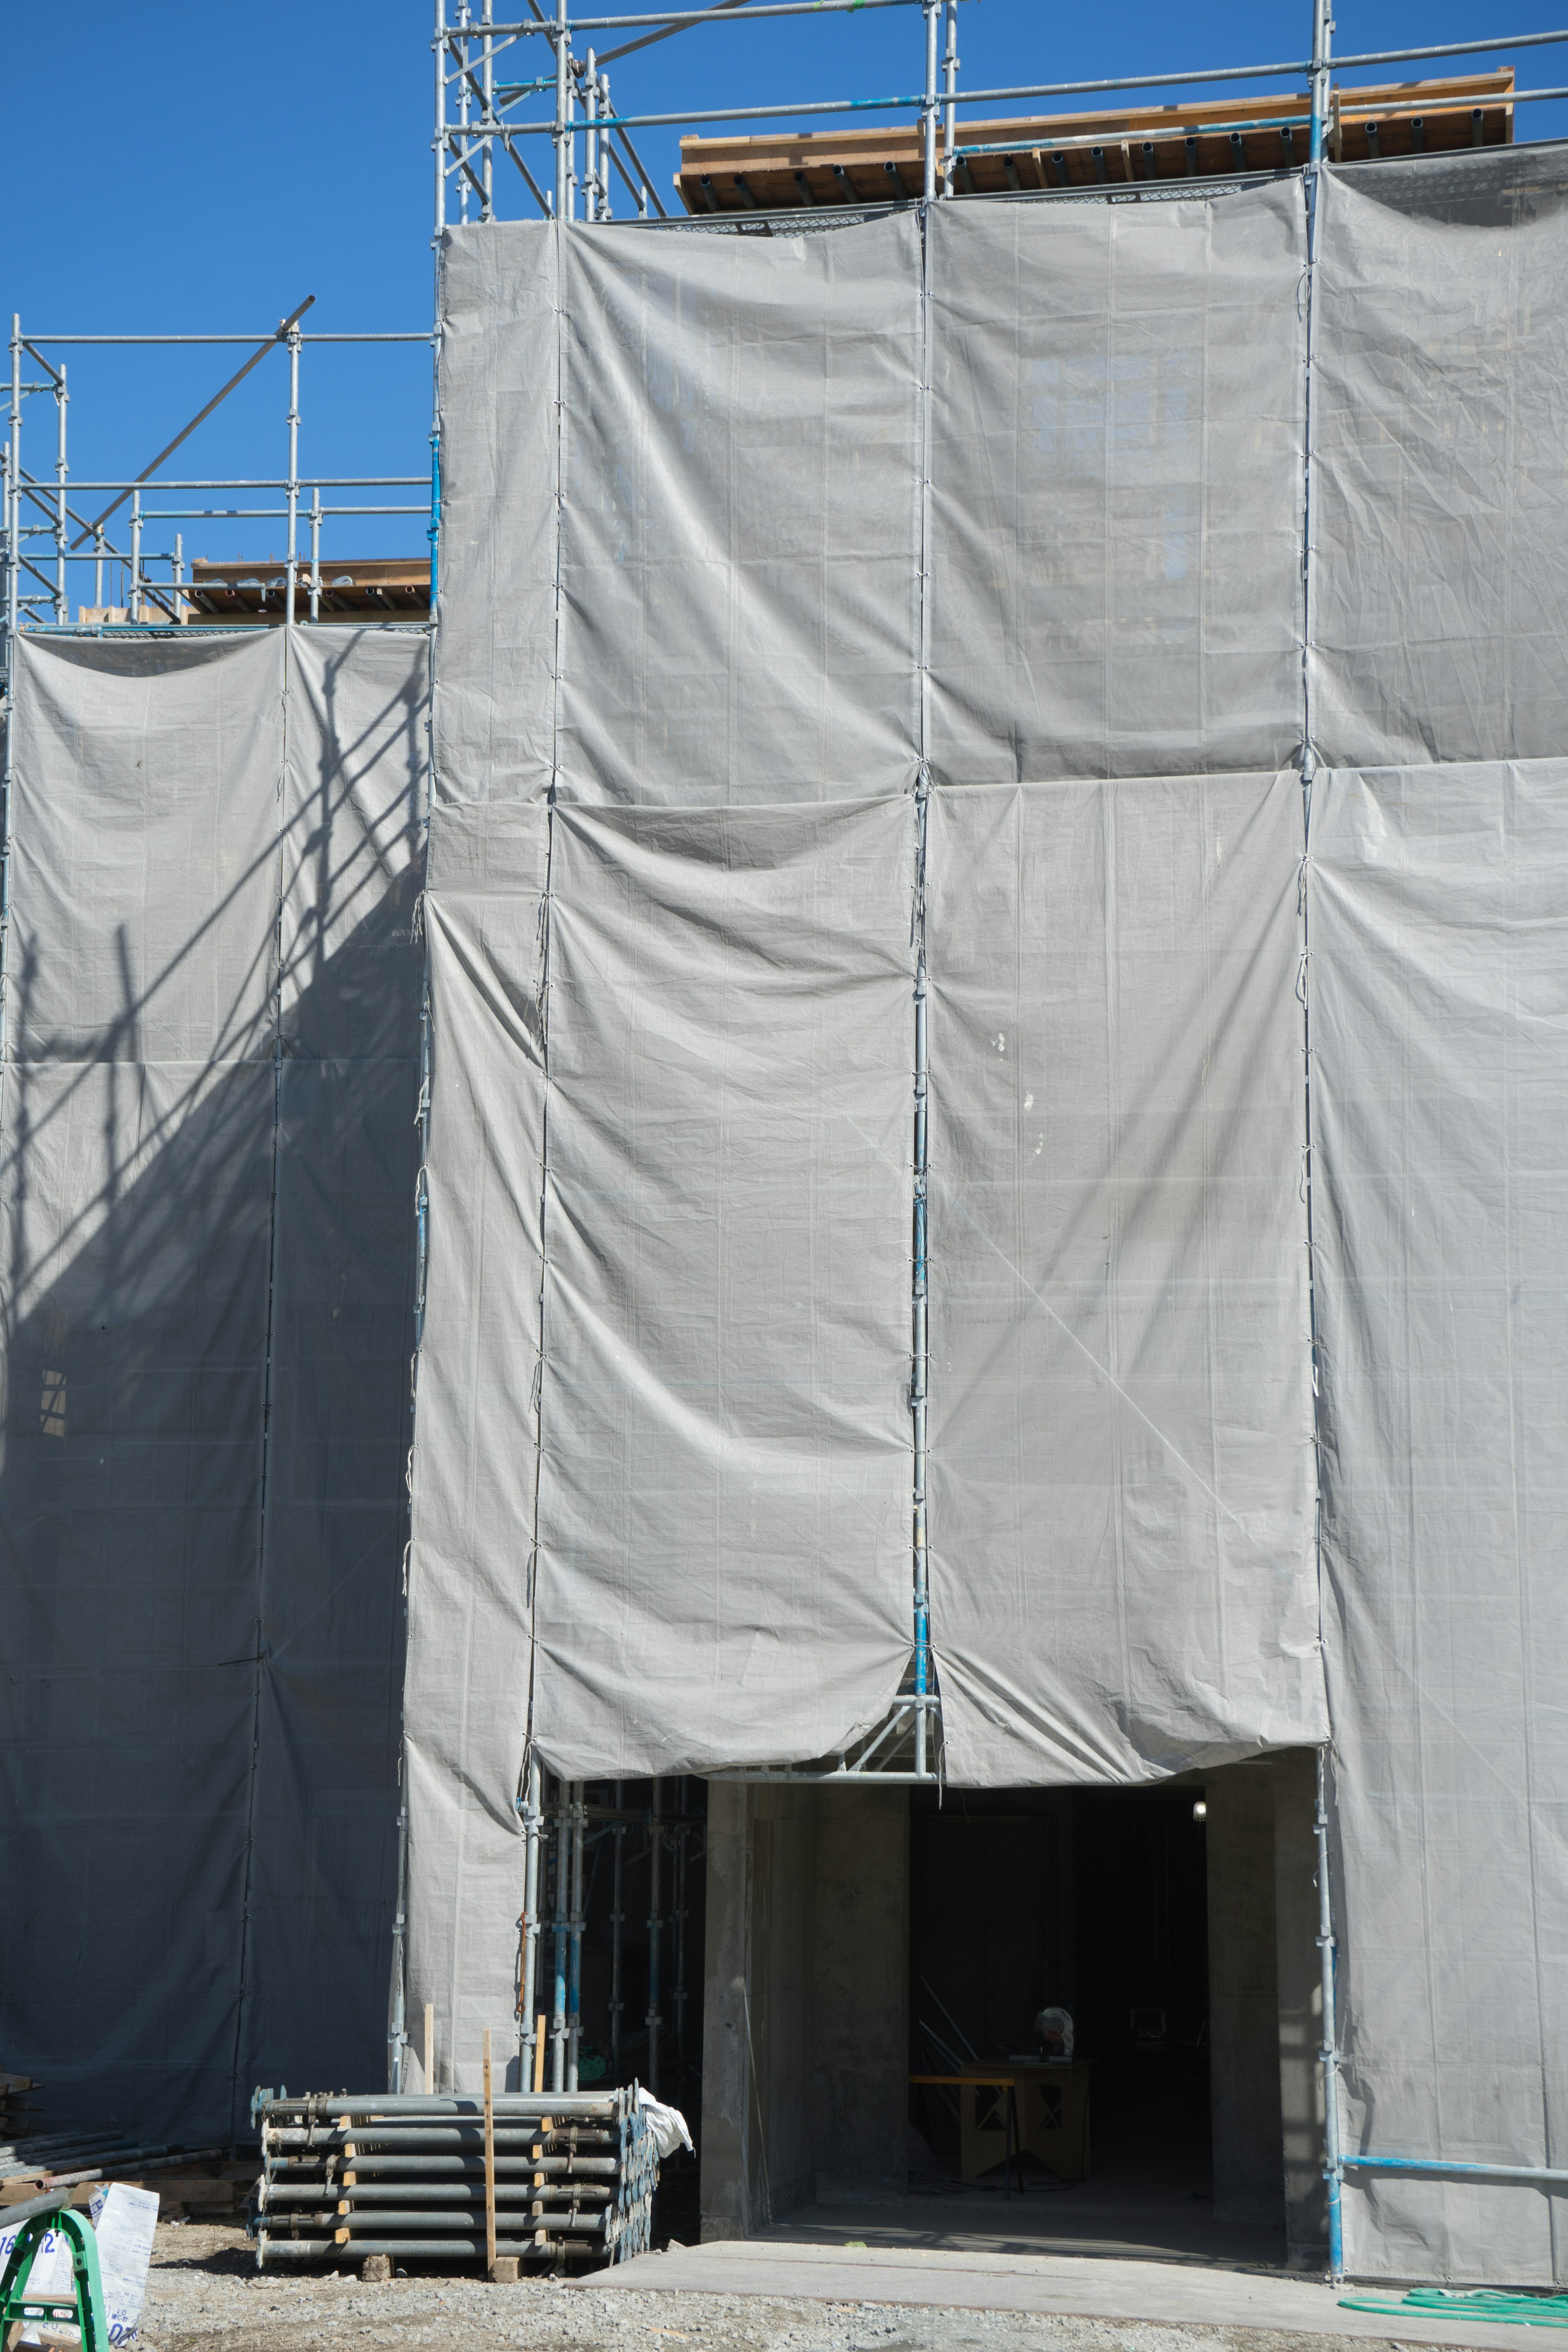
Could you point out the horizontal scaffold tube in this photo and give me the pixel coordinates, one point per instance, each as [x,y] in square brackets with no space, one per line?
[1438,2164]
[438,2192]
[398,2106]
[321,2249]
[448,2167]
[312,2146]
[371,2227]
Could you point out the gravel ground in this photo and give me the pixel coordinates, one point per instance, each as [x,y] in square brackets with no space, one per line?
[205,2294]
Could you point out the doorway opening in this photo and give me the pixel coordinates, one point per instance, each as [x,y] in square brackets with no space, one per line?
[1059,1945]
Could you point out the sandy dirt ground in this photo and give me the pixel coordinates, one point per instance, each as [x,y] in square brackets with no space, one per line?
[205,2294]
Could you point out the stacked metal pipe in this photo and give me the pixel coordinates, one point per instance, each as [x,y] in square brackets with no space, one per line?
[572,2176]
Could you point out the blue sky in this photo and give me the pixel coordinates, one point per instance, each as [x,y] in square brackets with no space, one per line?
[188,168]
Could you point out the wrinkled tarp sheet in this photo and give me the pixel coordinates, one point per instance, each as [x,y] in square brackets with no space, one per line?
[1111,546]
[723,1506]
[1116,424]
[1439,1021]
[1124,1574]
[212,994]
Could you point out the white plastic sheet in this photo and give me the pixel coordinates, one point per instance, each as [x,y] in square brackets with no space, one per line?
[1439,1023]
[1122,1574]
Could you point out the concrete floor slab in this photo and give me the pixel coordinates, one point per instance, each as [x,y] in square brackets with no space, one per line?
[978,2279]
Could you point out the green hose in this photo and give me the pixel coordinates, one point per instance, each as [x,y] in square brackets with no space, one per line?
[1482,2302]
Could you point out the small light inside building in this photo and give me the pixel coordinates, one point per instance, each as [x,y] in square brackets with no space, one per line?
[1200,1812]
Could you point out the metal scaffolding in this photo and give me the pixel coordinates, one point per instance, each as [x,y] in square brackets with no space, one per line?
[480,108]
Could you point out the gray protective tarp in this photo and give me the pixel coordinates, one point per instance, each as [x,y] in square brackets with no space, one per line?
[1439,1026]
[1117,426]
[739,541]
[724,1480]
[723,1504]
[1116,434]
[729,590]
[204,1280]
[1439,417]
[1124,1580]
[474,1461]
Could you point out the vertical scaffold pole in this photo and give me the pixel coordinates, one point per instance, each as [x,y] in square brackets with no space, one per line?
[921,1594]
[62,607]
[654,1929]
[562,93]
[463,113]
[1322,35]
[559,1842]
[293,551]
[529,1973]
[928,106]
[10,515]
[579,1812]
[617,1917]
[488,89]
[397,2003]
[591,142]
[949,97]
[439,140]
[134,603]
[13,500]
[682,1836]
[315,555]
[1332,2169]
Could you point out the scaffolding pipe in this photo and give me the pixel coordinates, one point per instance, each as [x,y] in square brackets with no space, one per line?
[487,86]
[463,118]
[562,67]
[14,508]
[315,554]
[1332,2169]
[62,613]
[618,1914]
[950,96]
[1322,31]
[396,2024]
[928,107]
[531,1829]
[293,547]
[438,143]
[133,602]
[591,141]
[558,1996]
[682,1838]
[655,1842]
[578,1813]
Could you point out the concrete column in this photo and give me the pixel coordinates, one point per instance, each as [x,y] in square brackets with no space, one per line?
[756,2119]
[783,2176]
[728,2108]
[1300,2008]
[859,2007]
[1244,2021]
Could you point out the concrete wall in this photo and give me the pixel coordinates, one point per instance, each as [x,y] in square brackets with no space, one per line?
[1265,1999]
[1300,1991]
[805,2087]
[1244,2004]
